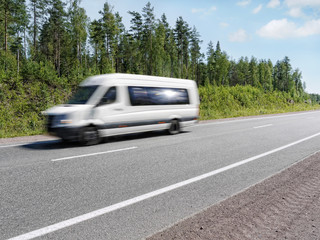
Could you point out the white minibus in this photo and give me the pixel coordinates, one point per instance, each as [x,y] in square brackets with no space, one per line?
[113,104]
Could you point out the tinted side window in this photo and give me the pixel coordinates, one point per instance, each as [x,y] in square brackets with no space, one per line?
[168,96]
[138,96]
[109,97]
[158,96]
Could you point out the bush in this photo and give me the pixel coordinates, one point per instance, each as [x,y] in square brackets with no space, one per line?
[226,102]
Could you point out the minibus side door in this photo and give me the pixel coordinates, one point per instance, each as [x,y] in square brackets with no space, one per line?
[109,110]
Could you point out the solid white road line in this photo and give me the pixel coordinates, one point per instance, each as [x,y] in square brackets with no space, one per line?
[263,126]
[93,154]
[252,118]
[12,145]
[99,212]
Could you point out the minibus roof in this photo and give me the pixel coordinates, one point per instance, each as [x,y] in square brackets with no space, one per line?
[121,78]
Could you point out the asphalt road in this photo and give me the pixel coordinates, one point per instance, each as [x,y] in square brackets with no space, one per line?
[133,186]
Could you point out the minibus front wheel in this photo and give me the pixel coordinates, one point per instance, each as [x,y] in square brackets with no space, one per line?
[89,136]
[174,127]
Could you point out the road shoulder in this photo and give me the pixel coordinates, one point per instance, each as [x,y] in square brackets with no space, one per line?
[26,139]
[284,206]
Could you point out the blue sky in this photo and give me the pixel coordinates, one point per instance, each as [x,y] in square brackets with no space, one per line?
[265,29]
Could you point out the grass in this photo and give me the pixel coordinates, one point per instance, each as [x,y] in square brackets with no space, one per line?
[239,101]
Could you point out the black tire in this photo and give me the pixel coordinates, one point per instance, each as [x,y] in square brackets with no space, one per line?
[89,136]
[174,127]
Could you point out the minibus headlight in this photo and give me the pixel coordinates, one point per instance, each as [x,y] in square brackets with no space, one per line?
[66,121]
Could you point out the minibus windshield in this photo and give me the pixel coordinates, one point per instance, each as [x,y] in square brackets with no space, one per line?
[82,95]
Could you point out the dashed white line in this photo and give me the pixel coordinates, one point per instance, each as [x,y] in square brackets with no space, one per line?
[117,206]
[263,126]
[93,154]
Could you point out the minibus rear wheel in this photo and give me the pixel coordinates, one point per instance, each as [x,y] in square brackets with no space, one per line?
[174,127]
[89,136]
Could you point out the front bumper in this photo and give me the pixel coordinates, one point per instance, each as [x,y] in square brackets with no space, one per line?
[66,133]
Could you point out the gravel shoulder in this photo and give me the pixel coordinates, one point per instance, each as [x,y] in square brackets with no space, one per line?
[284,206]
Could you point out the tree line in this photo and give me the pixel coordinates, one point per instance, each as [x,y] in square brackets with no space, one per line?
[59,38]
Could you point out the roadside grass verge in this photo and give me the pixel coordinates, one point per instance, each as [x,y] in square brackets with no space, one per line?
[239,101]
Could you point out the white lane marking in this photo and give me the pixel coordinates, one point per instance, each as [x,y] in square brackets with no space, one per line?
[28,143]
[93,154]
[12,145]
[263,126]
[250,118]
[117,206]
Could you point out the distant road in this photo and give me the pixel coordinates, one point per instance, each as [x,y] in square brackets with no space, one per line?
[134,186]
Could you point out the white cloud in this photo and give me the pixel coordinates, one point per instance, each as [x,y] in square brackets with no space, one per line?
[296,7]
[304,3]
[257,9]
[244,3]
[239,36]
[204,11]
[310,28]
[224,24]
[281,29]
[213,8]
[273,3]
[277,29]
[197,10]
[295,12]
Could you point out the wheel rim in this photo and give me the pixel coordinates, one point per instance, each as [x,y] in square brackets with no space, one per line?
[90,136]
[174,127]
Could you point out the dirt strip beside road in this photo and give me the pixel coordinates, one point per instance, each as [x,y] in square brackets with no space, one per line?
[26,139]
[284,206]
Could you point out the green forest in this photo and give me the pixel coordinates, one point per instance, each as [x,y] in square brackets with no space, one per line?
[48,47]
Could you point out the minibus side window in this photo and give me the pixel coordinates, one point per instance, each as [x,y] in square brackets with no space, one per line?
[168,96]
[109,97]
[158,96]
[138,96]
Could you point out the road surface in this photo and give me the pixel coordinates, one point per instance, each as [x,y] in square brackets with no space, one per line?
[134,186]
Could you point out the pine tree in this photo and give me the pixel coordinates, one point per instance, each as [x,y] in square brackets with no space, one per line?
[7,11]
[265,75]
[297,78]
[167,46]
[287,77]
[210,63]
[54,31]
[221,66]
[147,38]
[243,71]
[17,24]
[159,54]
[110,30]
[173,53]
[195,54]
[97,40]
[135,43]
[78,31]
[233,73]
[253,71]
[216,65]
[39,10]
[182,33]
[118,46]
